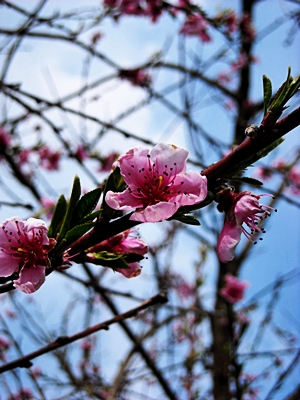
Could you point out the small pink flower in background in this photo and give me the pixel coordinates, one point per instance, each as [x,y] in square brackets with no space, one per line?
[22,394]
[96,37]
[49,159]
[24,156]
[138,77]
[234,289]
[81,153]
[241,208]
[280,165]
[294,179]
[131,7]
[263,173]
[110,3]
[107,162]
[49,206]
[247,28]
[154,9]
[4,344]
[157,184]
[124,244]
[5,139]
[24,247]
[196,25]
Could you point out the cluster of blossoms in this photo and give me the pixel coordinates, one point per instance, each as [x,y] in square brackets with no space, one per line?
[157,184]
[240,208]
[147,8]
[291,172]
[196,25]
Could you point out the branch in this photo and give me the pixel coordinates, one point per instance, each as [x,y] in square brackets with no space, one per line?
[25,361]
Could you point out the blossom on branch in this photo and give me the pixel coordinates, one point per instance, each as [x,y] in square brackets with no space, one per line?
[196,25]
[122,243]
[157,184]
[240,208]
[234,289]
[24,248]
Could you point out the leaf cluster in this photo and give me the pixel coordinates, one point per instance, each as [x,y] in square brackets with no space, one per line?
[74,218]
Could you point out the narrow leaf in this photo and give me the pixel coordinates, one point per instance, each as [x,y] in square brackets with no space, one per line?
[85,206]
[187,219]
[111,260]
[74,234]
[90,217]
[249,181]
[58,216]
[267,85]
[75,195]
[264,152]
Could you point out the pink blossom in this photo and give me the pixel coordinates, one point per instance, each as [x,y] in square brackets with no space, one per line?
[24,247]
[81,153]
[196,25]
[247,28]
[240,208]
[49,159]
[157,184]
[263,173]
[5,139]
[234,289]
[108,161]
[22,394]
[124,244]
[294,179]
[4,344]
[280,165]
[49,206]
[131,7]
[138,77]
[24,156]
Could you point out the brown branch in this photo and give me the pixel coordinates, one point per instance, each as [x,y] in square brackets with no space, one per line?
[25,361]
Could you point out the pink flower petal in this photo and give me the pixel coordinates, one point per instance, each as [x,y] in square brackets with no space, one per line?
[31,279]
[228,240]
[131,163]
[190,188]
[155,213]
[8,264]
[122,200]
[10,231]
[134,245]
[134,270]
[246,207]
[170,155]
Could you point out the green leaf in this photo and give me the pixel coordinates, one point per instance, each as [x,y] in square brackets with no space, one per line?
[73,234]
[90,217]
[75,195]
[111,260]
[249,181]
[58,216]
[186,219]
[85,206]
[267,85]
[284,93]
[264,152]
